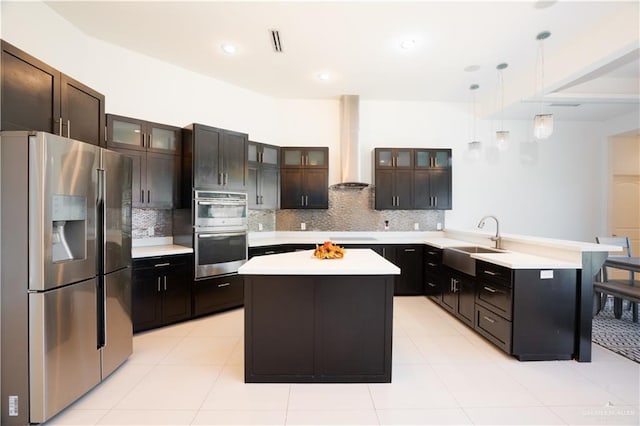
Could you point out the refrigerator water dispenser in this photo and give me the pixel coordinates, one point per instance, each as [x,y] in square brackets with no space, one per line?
[68,234]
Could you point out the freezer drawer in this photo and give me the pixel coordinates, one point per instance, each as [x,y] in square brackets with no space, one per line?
[64,359]
[118,343]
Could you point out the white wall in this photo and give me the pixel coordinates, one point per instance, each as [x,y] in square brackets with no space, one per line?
[554,188]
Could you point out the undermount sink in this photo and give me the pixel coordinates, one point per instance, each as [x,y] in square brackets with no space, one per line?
[459,258]
[476,249]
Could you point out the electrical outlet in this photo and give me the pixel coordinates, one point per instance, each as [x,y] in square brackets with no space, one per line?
[416,226]
[438,226]
[303,226]
[260,227]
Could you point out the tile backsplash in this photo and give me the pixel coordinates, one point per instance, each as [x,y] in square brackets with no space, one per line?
[353,210]
[349,210]
[149,223]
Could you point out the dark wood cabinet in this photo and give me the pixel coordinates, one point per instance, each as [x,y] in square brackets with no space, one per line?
[214,159]
[432,274]
[529,313]
[132,133]
[263,186]
[217,294]
[409,178]
[409,258]
[432,189]
[394,189]
[36,96]
[304,178]
[393,158]
[154,149]
[161,291]
[307,328]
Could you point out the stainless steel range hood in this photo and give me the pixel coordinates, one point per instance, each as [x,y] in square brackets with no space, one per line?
[349,143]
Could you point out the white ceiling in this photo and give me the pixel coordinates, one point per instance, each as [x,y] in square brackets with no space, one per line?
[357,43]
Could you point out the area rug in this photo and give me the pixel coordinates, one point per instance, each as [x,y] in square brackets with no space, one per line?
[618,335]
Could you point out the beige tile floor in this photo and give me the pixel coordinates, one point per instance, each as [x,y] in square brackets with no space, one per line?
[443,373]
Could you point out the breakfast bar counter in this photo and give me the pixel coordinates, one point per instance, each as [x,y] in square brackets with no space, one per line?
[310,321]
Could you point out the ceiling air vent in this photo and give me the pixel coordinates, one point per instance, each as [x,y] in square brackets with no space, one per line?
[564,105]
[275,40]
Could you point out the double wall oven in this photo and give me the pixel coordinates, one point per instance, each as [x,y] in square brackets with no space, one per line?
[220,232]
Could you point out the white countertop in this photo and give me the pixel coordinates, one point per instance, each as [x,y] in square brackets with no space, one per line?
[521,252]
[354,262]
[159,246]
[525,261]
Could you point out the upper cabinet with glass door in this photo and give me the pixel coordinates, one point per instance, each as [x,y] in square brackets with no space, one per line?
[305,157]
[432,158]
[264,154]
[131,133]
[394,158]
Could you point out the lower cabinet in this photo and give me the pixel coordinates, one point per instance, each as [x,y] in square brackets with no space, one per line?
[161,291]
[528,313]
[217,294]
[458,295]
[432,272]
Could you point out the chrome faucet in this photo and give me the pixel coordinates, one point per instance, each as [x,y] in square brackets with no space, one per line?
[497,237]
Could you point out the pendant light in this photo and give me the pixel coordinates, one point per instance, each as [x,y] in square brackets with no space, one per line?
[474,145]
[542,123]
[502,136]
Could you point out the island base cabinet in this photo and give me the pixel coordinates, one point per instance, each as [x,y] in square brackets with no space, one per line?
[332,329]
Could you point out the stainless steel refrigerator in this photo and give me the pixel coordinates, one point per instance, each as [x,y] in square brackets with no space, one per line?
[65,214]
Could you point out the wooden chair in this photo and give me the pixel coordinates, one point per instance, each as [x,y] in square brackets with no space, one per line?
[618,288]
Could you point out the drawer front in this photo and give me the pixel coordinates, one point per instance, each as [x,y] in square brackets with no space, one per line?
[496,273]
[494,297]
[493,327]
[217,294]
[161,261]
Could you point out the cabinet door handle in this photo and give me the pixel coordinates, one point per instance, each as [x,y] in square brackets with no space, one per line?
[148,195]
[432,253]
[409,250]
[68,128]
[165,283]
[224,285]
[261,199]
[142,195]
[431,284]
[270,252]
[226,178]
[149,140]
[493,274]
[302,200]
[158,284]
[60,126]
[492,321]
[398,201]
[435,201]
[432,264]
[490,290]
[157,265]
[306,200]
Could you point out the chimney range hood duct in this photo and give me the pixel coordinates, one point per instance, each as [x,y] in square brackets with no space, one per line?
[349,143]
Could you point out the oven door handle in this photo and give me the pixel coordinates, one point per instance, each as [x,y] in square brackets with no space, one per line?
[221,203]
[229,234]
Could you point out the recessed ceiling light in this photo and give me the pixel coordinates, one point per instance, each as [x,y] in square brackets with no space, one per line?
[229,49]
[324,76]
[472,68]
[408,44]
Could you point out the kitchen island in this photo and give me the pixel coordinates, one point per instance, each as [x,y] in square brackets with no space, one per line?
[310,320]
